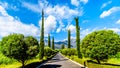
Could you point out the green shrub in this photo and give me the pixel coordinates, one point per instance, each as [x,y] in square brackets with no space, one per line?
[101,45]
[64,51]
[117,55]
[6,60]
[69,51]
[48,52]
[19,47]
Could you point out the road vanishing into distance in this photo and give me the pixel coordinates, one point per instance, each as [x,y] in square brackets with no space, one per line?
[58,61]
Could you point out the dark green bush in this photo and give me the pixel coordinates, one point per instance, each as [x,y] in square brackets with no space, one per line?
[69,51]
[100,45]
[49,52]
[19,47]
[6,60]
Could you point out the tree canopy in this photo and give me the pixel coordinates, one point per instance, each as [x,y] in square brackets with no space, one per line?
[101,44]
[62,46]
[19,47]
[49,41]
[69,40]
[41,49]
[78,38]
[53,47]
[32,45]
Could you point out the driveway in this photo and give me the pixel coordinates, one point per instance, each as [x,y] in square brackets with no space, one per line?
[58,61]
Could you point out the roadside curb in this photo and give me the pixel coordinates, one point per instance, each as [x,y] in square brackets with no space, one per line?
[74,62]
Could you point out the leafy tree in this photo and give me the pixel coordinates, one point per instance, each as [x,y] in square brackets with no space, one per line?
[62,46]
[100,45]
[41,51]
[78,38]
[117,55]
[69,45]
[32,45]
[19,47]
[0,46]
[65,51]
[69,51]
[48,52]
[53,47]
[49,42]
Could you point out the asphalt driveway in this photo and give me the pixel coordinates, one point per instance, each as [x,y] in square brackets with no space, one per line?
[58,61]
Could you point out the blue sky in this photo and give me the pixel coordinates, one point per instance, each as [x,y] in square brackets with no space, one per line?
[24,16]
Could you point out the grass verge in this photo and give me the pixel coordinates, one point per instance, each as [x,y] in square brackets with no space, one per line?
[12,63]
[18,64]
[112,63]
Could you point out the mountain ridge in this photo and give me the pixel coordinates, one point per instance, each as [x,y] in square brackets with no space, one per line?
[65,42]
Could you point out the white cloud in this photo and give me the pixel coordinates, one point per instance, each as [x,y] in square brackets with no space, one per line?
[72,38]
[9,6]
[49,24]
[4,4]
[85,21]
[109,12]
[105,4]
[32,7]
[60,12]
[77,2]
[35,7]
[118,22]
[9,24]
[85,32]
[61,26]
[84,1]
[72,28]
[117,30]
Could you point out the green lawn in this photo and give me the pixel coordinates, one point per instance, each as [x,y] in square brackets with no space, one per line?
[112,63]
[18,64]
[6,62]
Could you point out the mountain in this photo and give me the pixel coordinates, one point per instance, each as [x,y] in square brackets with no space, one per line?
[65,42]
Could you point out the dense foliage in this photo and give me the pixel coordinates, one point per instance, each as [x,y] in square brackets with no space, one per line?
[69,51]
[100,45]
[69,44]
[49,41]
[62,46]
[48,52]
[19,47]
[41,49]
[53,47]
[78,38]
[32,45]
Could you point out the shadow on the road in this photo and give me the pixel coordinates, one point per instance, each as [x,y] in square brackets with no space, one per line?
[33,65]
[56,60]
[51,66]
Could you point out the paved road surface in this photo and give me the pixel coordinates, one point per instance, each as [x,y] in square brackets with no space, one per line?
[59,61]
